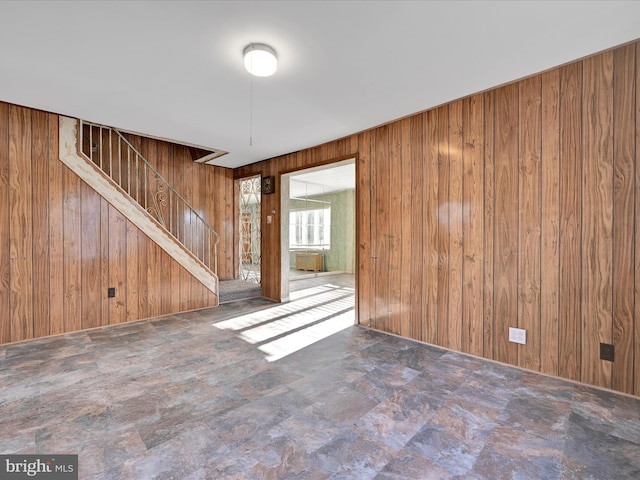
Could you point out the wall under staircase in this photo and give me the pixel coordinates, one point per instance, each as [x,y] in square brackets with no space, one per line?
[63,245]
[127,206]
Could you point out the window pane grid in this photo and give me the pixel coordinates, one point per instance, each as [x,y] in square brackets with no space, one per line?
[310,228]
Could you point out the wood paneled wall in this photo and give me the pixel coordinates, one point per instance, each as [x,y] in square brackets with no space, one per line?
[516,207]
[62,245]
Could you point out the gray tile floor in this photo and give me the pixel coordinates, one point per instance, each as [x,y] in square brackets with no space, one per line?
[241,392]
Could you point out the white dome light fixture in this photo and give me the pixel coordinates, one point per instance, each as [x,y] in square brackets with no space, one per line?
[260,60]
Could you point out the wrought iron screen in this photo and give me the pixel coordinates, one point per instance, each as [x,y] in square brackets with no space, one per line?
[250,229]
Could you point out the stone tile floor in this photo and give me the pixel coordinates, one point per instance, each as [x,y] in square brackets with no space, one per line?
[221,394]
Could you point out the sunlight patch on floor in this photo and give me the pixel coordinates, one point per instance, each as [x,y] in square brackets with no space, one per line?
[308,292]
[291,322]
[312,315]
[289,344]
[313,297]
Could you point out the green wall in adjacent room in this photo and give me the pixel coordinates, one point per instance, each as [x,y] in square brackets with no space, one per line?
[341,255]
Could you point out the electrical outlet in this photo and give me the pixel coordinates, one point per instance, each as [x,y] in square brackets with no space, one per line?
[518,335]
[111,292]
[606,352]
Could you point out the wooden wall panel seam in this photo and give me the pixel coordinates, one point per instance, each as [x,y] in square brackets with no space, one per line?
[5,226]
[430,233]
[550,223]
[20,214]
[597,215]
[489,227]
[406,226]
[455,225]
[529,207]
[395,234]
[40,215]
[636,373]
[465,320]
[623,238]
[570,184]
[417,230]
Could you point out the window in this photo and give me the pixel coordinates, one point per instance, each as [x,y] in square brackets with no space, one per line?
[310,228]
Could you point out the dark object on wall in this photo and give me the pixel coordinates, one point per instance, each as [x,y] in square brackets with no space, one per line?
[268,185]
[606,352]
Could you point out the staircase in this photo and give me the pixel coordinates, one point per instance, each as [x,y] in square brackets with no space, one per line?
[105,160]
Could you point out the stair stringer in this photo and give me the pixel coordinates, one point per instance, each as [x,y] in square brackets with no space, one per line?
[127,206]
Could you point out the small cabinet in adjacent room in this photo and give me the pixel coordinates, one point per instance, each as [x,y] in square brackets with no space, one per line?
[309,261]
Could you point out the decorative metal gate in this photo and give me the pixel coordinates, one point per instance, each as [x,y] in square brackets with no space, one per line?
[250,229]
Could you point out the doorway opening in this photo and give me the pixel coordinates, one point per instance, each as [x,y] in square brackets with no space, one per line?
[318,233]
[250,202]
[246,281]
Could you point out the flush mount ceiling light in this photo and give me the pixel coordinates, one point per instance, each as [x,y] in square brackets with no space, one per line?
[260,60]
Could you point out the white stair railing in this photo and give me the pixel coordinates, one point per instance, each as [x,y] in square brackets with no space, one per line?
[110,151]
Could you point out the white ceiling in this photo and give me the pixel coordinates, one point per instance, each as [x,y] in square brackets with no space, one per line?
[173,69]
[323,180]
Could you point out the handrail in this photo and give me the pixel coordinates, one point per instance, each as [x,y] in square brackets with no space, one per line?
[142,182]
